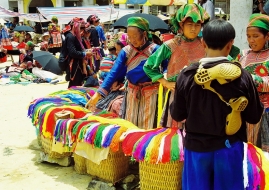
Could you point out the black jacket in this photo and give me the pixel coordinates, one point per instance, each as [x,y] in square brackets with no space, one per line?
[205,113]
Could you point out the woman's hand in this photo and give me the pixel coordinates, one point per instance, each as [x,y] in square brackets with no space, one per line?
[88,52]
[115,86]
[166,84]
[91,104]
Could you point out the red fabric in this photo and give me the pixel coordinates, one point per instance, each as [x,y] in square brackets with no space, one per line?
[21,45]
[3,59]
[51,121]
[8,47]
[167,147]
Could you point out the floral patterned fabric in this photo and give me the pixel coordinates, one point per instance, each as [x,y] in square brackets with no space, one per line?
[257,64]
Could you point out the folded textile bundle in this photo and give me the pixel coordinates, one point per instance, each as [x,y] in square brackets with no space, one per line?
[161,145]
[102,131]
[255,168]
[76,94]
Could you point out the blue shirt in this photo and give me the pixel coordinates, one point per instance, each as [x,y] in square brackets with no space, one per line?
[135,73]
[101,33]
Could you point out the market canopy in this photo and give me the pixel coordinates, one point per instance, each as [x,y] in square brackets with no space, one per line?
[4,13]
[65,14]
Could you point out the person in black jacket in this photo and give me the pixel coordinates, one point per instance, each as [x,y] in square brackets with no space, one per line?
[75,52]
[213,155]
[94,39]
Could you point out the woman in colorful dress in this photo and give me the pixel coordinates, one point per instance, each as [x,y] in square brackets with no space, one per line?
[55,36]
[256,61]
[182,51]
[141,97]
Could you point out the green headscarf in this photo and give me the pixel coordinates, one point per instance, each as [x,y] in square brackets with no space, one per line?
[30,44]
[55,19]
[193,11]
[259,20]
[141,23]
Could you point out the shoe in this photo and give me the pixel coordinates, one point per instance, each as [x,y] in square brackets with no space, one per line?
[233,120]
[223,73]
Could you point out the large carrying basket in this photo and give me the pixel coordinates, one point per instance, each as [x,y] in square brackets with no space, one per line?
[47,148]
[162,176]
[112,169]
[80,164]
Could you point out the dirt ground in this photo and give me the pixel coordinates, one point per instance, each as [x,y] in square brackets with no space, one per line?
[19,151]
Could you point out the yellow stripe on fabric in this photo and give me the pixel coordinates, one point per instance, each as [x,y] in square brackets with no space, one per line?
[160,103]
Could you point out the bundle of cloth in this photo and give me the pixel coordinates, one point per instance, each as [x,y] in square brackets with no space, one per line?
[102,130]
[42,110]
[160,145]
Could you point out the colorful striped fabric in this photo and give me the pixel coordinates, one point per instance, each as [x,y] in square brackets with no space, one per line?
[107,62]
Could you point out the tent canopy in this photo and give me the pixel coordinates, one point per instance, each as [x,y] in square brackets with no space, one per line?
[65,14]
[4,13]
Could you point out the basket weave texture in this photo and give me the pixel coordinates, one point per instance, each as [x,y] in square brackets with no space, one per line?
[162,176]
[112,169]
[80,164]
[47,146]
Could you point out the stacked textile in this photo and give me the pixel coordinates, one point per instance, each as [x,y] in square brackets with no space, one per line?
[161,145]
[255,168]
[102,130]
[42,110]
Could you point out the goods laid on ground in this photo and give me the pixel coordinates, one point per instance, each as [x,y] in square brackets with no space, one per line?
[103,145]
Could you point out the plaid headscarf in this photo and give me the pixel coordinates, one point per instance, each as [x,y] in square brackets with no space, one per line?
[259,20]
[141,23]
[193,11]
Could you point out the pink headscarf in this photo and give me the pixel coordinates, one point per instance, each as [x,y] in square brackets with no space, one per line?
[123,39]
[77,23]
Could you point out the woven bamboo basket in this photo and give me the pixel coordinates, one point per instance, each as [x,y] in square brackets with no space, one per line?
[113,169]
[166,176]
[47,146]
[80,164]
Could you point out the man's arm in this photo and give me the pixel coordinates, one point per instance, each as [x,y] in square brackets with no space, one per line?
[264,8]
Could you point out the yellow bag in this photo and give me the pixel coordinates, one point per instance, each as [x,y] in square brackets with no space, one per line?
[161,2]
[120,1]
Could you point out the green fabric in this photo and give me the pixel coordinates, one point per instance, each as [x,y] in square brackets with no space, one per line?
[235,51]
[141,23]
[193,11]
[259,20]
[154,61]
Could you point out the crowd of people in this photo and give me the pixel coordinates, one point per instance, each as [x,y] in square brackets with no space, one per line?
[219,98]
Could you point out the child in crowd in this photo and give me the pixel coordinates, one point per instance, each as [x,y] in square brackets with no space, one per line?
[181,51]
[28,37]
[216,108]
[107,63]
[45,42]
[26,56]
